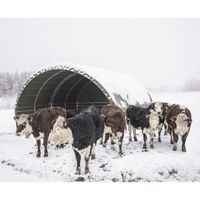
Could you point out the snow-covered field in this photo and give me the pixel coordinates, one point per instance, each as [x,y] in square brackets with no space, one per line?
[18,161]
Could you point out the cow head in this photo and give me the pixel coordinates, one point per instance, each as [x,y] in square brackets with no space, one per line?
[158,106]
[153,119]
[23,125]
[181,123]
[60,133]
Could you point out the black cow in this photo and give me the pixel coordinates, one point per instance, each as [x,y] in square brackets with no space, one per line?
[39,124]
[179,121]
[161,108]
[142,118]
[114,119]
[71,112]
[98,123]
[82,131]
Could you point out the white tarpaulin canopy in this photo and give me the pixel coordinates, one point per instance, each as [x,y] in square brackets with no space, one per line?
[76,87]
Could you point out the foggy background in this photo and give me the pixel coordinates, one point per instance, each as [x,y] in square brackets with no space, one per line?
[163,54]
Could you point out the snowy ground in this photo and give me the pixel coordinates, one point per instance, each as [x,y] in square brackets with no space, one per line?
[18,161]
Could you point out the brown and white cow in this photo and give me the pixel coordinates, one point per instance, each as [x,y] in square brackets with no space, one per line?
[178,120]
[161,108]
[114,124]
[39,124]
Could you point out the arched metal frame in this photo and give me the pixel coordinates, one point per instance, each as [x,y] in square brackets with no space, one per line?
[61,69]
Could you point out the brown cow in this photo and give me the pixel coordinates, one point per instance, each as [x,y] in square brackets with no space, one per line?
[178,120]
[39,124]
[114,120]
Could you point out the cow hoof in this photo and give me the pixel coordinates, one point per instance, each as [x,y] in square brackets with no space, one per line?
[135,139]
[93,156]
[130,140]
[112,142]
[159,140]
[87,170]
[78,172]
[144,146]
[120,155]
[174,148]
[183,149]
[151,146]
[45,154]
[38,155]
[171,142]
[104,145]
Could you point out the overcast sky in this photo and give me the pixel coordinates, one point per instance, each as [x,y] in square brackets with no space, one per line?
[155,51]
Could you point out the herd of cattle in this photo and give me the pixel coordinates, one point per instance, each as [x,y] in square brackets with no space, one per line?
[58,126]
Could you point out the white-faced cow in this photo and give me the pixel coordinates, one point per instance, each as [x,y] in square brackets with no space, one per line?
[114,120]
[145,119]
[161,108]
[179,121]
[82,131]
[39,124]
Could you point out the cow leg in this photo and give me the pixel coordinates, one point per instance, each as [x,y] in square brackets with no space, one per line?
[120,141]
[112,140]
[87,157]
[45,146]
[145,140]
[159,138]
[78,161]
[93,154]
[134,134]
[38,148]
[106,139]
[184,137]
[159,132]
[129,130]
[175,141]
[101,141]
[165,127]
[151,140]
[171,137]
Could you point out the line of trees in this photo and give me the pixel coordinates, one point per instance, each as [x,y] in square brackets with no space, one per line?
[189,85]
[11,83]
[192,85]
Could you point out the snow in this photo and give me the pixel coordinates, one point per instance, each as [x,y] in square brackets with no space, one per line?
[18,161]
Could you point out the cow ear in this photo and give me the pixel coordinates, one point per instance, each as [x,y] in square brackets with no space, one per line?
[151,110]
[65,125]
[147,116]
[30,118]
[173,119]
